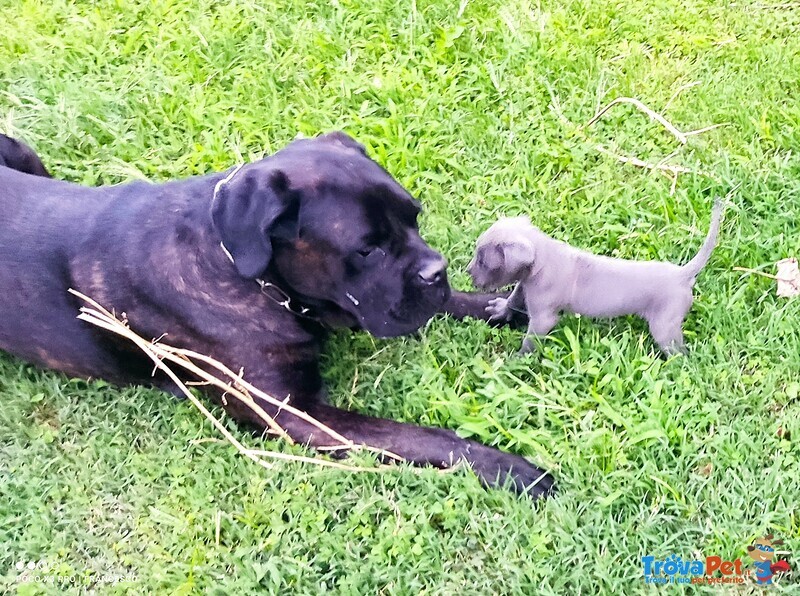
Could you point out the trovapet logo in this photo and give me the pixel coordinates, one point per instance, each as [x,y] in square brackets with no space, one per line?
[717,570]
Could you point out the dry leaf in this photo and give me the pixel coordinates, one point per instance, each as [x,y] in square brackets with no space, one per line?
[705,470]
[788,277]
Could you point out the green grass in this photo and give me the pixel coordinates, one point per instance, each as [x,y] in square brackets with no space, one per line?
[651,457]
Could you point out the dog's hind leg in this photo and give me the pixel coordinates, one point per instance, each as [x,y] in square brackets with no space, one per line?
[666,327]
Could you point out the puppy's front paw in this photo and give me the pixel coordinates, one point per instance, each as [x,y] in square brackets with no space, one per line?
[498,310]
[528,347]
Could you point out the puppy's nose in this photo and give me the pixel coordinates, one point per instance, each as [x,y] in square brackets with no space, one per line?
[433,271]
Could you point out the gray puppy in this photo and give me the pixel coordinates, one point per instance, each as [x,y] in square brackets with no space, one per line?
[553,277]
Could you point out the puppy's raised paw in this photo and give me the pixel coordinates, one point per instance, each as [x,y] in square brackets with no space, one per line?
[498,310]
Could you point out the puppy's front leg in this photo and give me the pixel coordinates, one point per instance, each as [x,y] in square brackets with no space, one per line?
[539,324]
[501,310]
[474,305]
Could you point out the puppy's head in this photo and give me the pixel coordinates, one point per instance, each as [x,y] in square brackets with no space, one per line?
[337,230]
[504,254]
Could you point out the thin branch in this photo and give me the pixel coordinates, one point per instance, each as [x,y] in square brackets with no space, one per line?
[316,461]
[238,388]
[705,129]
[774,6]
[635,161]
[761,273]
[673,170]
[653,115]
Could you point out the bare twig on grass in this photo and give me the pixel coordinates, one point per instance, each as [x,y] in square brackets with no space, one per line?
[635,161]
[670,170]
[237,387]
[773,6]
[682,137]
[643,108]
[761,273]
[788,277]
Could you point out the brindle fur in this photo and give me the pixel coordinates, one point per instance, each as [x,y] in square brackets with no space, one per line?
[309,219]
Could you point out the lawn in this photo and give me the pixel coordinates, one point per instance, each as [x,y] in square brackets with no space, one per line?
[477,109]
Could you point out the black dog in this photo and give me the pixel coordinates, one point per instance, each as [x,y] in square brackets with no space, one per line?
[248,266]
[18,156]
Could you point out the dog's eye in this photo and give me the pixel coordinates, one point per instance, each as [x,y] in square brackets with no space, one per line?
[372,251]
[372,254]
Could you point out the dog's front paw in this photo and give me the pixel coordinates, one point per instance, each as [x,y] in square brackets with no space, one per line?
[498,310]
[498,469]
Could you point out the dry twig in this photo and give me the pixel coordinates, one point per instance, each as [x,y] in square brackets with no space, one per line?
[672,171]
[236,387]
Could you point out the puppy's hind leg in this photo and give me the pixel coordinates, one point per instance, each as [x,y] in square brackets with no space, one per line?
[666,327]
[539,324]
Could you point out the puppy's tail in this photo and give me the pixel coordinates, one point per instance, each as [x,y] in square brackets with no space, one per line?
[693,267]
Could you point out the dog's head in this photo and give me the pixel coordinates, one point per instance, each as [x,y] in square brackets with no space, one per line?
[337,230]
[504,253]
[763,549]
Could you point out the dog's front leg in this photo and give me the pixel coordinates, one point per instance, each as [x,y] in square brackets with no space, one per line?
[418,445]
[474,305]
[295,378]
[422,446]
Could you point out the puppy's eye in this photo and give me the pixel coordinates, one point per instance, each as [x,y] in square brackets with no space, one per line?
[365,252]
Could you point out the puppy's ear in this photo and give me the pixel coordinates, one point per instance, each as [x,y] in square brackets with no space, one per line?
[517,255]
[247,211]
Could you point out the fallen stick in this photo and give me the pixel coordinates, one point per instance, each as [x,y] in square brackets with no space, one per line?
[239,388]
[683,137]
[762,274]
[672,171]
[653,115]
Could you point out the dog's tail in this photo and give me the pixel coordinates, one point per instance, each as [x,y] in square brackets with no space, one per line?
[693,267]
[18,156]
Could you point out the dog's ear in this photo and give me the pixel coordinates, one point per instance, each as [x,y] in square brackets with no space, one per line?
[248,210]
[345,140]
[518,254]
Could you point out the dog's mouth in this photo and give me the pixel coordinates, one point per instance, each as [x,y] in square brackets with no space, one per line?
[399,318]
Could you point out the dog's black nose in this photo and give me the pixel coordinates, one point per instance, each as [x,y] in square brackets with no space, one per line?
[433,271]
